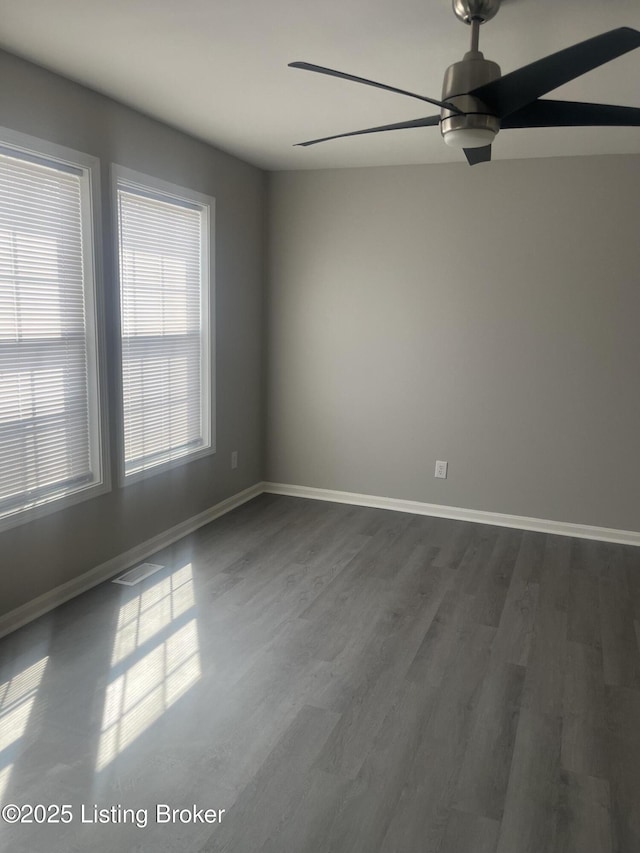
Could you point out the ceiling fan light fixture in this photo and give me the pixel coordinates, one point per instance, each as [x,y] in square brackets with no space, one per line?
[469,137]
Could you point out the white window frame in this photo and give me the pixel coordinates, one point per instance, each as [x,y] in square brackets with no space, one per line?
[121,175]
[94,326]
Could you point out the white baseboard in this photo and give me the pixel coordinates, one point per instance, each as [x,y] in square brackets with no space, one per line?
[541,525]
[44,603]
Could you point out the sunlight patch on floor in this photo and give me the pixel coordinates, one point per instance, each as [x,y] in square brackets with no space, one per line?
[17,696]
[153,662]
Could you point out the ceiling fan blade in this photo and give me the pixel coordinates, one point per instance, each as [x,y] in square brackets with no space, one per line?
[429,121]
[521,87]
[572,114]
[306,66]
[478,155]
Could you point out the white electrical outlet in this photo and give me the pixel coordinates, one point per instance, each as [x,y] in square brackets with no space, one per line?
[441,470]
[234,458]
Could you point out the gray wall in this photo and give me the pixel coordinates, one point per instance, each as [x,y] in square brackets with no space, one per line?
[40,555]
[488,316]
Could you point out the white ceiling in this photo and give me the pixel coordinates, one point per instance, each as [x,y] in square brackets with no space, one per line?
[218,69]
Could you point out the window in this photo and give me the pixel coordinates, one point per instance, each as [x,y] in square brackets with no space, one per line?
[163,236]
[50,416]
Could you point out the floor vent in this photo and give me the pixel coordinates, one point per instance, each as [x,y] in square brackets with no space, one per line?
[137,574]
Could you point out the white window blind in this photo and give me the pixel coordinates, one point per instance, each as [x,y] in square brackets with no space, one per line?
[49,424]
[163,254]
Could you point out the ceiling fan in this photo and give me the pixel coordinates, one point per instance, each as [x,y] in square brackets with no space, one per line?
[477,101]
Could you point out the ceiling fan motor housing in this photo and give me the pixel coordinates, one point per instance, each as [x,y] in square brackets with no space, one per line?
[462,77]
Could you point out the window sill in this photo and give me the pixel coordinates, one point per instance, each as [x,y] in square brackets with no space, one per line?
[145,473]
[47,507]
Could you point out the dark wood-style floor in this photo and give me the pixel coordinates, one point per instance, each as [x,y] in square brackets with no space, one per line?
[339,679]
